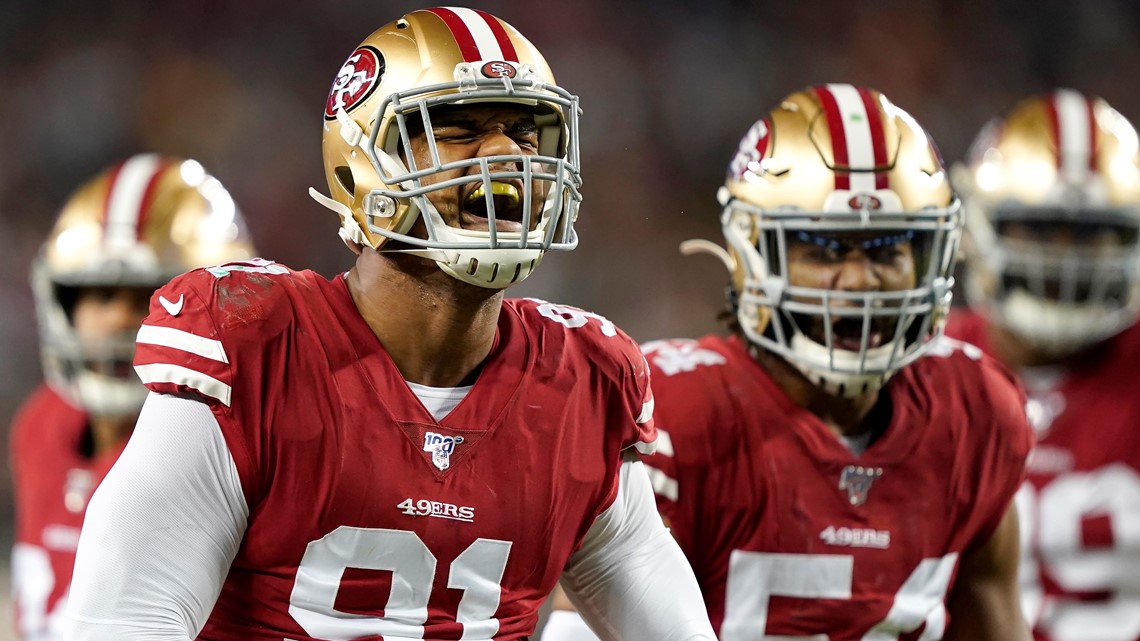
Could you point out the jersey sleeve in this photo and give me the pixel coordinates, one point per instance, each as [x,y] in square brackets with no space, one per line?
[208,336]
[589,342]
[966,325]
[643,433]
[682,414]
[999,461]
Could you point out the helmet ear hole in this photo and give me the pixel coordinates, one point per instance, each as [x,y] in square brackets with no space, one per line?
[344,177]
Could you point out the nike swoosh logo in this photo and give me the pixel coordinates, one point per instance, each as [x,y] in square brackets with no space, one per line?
[173,308]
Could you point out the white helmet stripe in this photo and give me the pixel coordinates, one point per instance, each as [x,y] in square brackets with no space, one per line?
[857,130]
[125,199]
[485,40]
[1074,135]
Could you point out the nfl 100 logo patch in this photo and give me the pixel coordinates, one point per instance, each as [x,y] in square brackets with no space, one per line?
[441,448]
[857,480]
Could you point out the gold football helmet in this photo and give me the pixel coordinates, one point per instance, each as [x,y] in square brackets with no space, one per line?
[1052,195]
[137,224]
[836,164]
[389,86]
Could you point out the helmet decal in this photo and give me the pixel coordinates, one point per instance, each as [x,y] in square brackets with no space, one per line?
[1073,126]
[355,81]
[480,35]
[130,191]
[498,69]
[864,202]
[751,150]
[858,145]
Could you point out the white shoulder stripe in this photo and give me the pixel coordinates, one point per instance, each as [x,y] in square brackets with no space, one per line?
[646,448]
[489,48]
[663,485]
[646,412]
[178,375]
[183,341]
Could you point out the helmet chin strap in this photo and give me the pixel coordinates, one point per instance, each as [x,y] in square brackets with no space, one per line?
[1059,329]
[489,268]
[107,396]
[349,230]
[842,384]
[695,246]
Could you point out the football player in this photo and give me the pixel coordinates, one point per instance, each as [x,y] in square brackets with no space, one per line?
[835,469]
[1053,280]
[397,452]
[119,237]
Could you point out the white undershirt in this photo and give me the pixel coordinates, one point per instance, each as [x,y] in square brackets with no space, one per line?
[439,401]
[859,443]
[164,526]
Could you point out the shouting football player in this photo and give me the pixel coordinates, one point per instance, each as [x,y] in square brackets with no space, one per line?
[119,237]
[399,452]
[1053,219]
[836,469]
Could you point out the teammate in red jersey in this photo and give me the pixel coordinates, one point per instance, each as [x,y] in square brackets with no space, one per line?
[119,237]
[397,453]
[836,469]
[1053,279]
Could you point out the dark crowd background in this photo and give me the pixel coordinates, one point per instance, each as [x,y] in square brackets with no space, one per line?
[667,88]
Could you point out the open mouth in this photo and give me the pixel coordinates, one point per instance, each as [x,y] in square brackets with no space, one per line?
[506,198]
[847,334]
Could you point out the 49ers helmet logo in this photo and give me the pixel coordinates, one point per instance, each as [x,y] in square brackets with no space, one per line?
[498,69]
[355,81]
[864,202]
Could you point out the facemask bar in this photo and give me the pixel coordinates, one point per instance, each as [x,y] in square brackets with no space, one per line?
[1062,298]
[83,370]
[909,316]
[554,230]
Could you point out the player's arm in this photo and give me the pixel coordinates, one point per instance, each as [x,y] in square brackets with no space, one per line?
[985,605]
[629,580]
[161,530]
[564,622]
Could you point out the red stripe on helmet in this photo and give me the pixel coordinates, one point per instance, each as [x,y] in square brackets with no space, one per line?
[878,138]
[148,199]
[467,47]
[504,40]
[838,136]
[1054,126]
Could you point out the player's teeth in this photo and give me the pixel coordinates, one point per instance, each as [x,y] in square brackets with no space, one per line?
[498,190]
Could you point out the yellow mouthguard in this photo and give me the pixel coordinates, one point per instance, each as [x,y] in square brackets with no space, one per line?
[508,191]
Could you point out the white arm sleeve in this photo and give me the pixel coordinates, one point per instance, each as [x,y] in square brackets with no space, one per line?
[630,580]
[161,530]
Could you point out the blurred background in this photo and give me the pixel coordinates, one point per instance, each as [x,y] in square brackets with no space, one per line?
[667,88]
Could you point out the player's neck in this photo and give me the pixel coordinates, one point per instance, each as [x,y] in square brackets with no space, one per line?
[845,416]
[436,329]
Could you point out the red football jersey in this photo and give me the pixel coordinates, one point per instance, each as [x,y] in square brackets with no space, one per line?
[1080,507]
[369,518]
[53,479]
[793,536]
